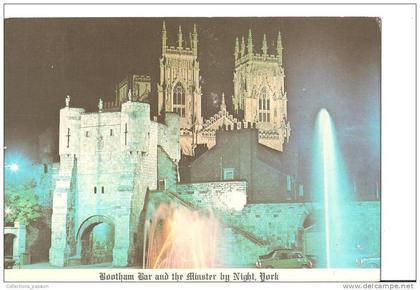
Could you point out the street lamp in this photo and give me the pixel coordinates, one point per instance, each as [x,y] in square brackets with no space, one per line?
[14,168]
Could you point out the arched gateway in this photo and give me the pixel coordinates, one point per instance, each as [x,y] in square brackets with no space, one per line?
[95,240]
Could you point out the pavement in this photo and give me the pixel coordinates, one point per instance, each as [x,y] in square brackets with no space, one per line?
[46,265]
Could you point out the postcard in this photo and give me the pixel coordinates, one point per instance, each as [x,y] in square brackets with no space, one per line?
[188,149]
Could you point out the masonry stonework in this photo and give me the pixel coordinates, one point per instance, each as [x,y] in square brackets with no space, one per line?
[108,160]
[259,98]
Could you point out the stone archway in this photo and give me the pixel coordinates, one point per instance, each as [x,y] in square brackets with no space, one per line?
[15,237]
[9,244]
[95,240]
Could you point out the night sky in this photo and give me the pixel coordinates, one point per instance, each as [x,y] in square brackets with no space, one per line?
[329,62]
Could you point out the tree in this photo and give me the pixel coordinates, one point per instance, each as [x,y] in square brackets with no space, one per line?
[21,203]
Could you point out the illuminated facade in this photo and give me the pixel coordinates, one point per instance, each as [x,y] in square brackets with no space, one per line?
[259,98]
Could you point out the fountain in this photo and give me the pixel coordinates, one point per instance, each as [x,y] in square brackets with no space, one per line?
[330,187]
[179,237]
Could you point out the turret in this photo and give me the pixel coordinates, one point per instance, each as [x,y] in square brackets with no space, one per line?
[264,46]
[135,126]
[195,41]
[236,53]
[223,104]
[164,38]
[279,48]
[250,44]
[243,47]
[100,105]
[180,38]
[69,129]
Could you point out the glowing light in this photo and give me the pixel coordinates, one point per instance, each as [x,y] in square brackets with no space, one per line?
[14,167]
[181,238]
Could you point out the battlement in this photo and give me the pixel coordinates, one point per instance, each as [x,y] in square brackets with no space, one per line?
[190,50]
[269,59]
[127,128]
[246,52]
[175,50]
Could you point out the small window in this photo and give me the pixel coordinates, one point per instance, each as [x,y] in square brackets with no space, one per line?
[94,190]
[228,173]
[300,190]
[111,133]
[102,189]
[45,168]
[289,183]
[87,134]
[161,184]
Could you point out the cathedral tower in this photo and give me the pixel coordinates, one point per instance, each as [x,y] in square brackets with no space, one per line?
[259,94]
[179,89]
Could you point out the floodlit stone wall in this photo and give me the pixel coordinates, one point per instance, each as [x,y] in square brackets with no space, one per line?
[221,196]
[108,161]
[257,228]
[282,225]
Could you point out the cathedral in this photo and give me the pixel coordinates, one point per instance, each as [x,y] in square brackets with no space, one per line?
[259,98]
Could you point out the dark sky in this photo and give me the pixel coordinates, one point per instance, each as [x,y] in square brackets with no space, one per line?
[329,62]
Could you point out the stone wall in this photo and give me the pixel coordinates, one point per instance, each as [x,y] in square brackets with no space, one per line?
[282,225]
[167,170]
[18,232]
[116,154]
[220,196]
[257,228]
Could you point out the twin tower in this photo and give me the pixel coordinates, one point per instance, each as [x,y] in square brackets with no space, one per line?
[259,96]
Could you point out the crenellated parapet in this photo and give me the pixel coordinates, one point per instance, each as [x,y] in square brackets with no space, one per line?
[187,46]
[245,52]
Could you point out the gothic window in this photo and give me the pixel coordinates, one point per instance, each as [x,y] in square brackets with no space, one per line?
[264,106]
[179,100]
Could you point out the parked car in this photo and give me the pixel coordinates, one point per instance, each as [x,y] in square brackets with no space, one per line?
[368,262]
[9,262]
[284,258]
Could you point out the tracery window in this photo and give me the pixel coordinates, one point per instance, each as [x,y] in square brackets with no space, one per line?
[179,100]
[264,106]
